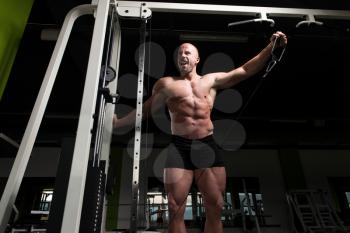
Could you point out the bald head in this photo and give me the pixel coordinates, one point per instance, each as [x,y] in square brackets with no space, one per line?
[190,47]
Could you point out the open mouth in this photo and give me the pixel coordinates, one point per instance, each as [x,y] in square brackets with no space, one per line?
[183,63]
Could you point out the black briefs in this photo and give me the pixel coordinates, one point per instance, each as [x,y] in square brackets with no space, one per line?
[193,154]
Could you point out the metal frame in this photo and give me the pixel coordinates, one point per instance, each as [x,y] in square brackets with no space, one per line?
[137,139]
[254,11]
[141,10]
[17,172]
[76,185]
[110,109]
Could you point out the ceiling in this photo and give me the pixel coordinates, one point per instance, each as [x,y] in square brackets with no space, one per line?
[303,102]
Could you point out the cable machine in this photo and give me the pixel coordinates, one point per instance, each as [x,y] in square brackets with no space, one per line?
[101,9]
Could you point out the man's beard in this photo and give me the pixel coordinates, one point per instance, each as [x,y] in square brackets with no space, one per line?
[185,71]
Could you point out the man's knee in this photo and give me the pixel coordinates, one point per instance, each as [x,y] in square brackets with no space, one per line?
[214,205]
[176,208]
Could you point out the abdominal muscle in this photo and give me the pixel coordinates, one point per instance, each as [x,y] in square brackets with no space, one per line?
[190,117]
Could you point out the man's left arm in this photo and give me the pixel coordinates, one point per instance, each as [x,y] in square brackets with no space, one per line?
[251,67]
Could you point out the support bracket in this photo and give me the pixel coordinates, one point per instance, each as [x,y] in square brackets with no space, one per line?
[138,10]
[310,19]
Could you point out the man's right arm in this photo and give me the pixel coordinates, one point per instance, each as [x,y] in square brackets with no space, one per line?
[153,103]
[129,119]
[251,67]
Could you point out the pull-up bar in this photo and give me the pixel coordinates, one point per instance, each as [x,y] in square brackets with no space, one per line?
[254,11]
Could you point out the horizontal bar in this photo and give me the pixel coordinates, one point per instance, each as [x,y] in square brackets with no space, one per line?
[237,10]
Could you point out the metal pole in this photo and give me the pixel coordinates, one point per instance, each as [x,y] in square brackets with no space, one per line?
[137,140]
[108,126]
[17,172]
[249,206]
[98,133]
[102,104]
[75,192]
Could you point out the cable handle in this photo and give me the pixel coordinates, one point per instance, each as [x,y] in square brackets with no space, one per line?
[276,41]
[274,58]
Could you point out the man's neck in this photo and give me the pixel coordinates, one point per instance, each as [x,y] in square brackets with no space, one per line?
[190,76]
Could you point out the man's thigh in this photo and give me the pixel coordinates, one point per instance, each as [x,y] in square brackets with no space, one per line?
[211,182]
[177,182]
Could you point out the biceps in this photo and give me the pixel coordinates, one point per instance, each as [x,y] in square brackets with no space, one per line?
[226,80]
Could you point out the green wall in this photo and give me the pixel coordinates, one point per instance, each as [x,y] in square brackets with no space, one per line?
[13,18]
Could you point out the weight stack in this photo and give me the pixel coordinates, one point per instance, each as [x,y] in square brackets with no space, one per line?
[91,214]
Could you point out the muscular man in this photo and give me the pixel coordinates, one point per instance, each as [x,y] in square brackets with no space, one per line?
[190,98]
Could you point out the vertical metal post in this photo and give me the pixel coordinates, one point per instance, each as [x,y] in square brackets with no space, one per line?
[137,139]
[114,63]
[108,126]
[98,133]
[103,101]
[75,192]
[17,172]
[249,206]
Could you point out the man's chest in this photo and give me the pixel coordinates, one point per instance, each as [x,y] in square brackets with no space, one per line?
[186,89]
[190,94]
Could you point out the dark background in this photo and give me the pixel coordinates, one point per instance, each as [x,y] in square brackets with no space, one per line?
[302,103]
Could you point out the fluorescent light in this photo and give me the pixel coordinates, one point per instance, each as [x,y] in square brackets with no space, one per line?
[49,34]
[213,37]
[9,140]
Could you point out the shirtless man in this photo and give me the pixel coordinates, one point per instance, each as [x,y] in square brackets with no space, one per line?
[190,98]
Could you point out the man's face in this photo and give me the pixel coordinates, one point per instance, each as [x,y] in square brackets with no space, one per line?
[187,58]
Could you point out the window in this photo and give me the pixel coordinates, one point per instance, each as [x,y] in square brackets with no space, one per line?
[255,201]
[157,206]
[45,200]
[188,211]
[340,186]
[347,194]
[41,207]
[340,195]
[234,201]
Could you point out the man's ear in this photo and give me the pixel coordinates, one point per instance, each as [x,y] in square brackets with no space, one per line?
[198,59]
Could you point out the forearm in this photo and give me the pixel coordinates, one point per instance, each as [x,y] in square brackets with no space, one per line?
[130,118]
[127,120]
[258,62]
